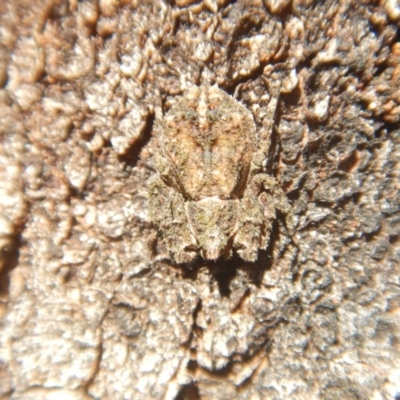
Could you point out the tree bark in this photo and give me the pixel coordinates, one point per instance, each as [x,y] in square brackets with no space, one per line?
[92,305]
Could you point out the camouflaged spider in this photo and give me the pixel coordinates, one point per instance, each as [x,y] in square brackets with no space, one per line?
[211,197]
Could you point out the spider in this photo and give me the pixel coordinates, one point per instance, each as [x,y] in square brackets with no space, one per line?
[211,197]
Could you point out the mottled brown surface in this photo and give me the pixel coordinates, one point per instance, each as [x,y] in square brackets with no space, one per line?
[92,307]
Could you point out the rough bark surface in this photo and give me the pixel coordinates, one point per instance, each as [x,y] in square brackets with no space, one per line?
[91,305]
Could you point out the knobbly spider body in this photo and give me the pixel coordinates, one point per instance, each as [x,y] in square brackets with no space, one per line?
[210,198]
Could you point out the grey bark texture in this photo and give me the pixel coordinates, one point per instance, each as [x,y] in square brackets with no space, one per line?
[92,306]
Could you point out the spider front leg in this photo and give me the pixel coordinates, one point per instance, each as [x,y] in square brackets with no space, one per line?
[167,211]
[266,122]
[262,201]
